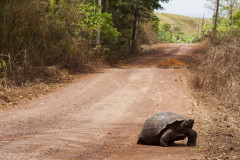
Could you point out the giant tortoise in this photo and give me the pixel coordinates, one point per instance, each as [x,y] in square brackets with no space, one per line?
[166,127]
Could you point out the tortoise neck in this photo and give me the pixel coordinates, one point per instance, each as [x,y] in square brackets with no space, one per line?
[184,126]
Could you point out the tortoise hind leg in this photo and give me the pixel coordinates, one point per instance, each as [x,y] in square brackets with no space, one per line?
[171,143]
[167,137]
[140,142]
[192,137]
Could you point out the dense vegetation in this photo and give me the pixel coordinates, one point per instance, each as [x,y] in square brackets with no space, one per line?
[40,33]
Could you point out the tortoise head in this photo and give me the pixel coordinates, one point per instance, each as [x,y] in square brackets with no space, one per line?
[188,123]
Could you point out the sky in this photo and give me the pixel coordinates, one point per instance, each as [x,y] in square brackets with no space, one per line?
[191,8]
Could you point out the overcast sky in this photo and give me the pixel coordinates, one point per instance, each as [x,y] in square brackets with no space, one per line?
[192,8]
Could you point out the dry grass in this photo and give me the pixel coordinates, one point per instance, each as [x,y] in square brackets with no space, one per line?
[216,83]
[46,80]
[218,73]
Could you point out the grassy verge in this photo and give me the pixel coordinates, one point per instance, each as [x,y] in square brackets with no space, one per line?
[216,87]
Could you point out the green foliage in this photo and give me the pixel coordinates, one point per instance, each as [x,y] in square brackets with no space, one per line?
[129,17]
[94,20]
[125,13]
[165,27]
[141,8]
[165,33]
[191,39]
[207,28]
[156,24]
[223,25]
[175,34]
[236,19]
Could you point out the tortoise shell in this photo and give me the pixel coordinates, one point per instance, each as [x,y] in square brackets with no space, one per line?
[158,123]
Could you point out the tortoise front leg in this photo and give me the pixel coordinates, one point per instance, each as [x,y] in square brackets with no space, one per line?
[168,136]
[192,137]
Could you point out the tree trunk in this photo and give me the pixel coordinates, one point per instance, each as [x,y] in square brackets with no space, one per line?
[106,5]
[230,14]
[216,19]
[99,29]
[202,26]
[135,28]
[134,32]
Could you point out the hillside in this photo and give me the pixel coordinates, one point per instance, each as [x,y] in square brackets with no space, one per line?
[190,26]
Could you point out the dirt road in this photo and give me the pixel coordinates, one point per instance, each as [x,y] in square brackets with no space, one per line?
[99,116]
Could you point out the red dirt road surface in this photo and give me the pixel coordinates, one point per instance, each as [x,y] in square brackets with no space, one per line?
[99,116]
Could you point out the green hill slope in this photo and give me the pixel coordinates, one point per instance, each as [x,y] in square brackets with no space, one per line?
[190,26]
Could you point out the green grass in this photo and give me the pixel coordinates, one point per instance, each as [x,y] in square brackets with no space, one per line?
[190,26]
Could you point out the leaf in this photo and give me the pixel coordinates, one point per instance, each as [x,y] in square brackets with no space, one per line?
[199,149]
[221,147]
[4,64]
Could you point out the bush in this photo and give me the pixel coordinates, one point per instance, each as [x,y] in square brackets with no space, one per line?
[175,35]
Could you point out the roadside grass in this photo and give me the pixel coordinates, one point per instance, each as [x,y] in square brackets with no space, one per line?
[216,88]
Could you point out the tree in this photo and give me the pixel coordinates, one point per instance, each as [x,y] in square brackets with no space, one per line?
[226,8]
[94,19]
[230,13]
[143,9]
[130,13]
[106,5]
[230,5]
[99,29]
[216,18]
